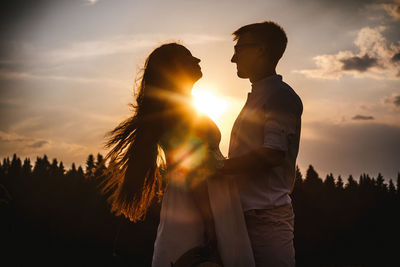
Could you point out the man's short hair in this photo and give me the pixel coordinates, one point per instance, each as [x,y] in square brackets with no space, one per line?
[267,33]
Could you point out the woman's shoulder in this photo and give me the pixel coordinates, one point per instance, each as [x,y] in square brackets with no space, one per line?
[206,127]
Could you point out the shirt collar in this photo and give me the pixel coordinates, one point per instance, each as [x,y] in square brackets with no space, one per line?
[265,83]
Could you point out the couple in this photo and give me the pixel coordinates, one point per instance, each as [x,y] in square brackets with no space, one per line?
[226,212]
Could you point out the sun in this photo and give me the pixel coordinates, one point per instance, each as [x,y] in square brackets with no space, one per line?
[208,103]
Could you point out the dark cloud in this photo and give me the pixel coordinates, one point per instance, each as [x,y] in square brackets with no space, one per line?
[396,57]
[360,64]
[13,139]
[362,117]
[39,144]
[394,100]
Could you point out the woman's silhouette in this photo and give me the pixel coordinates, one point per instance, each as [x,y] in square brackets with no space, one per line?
[166,149]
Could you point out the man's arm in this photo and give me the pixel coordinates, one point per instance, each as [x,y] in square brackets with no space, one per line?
[259,159]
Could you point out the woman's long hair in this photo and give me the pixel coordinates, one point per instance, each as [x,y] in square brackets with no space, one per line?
[133,177]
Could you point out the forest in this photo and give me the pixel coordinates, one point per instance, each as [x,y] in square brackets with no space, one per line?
[51,216]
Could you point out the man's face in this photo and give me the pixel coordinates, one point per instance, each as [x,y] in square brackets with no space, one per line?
[247,56]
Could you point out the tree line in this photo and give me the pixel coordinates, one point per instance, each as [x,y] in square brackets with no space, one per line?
[53,216]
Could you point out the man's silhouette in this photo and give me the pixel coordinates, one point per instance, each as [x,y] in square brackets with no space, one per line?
[264,144]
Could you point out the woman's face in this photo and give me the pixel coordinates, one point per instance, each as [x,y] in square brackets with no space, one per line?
[188,67]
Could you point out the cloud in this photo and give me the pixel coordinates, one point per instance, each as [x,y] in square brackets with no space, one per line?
[25,75]
[396,101]
[16,139]
[39,144]
[362,117]
[125,44]
[25,146]
[376,58]
[393,10]
[393,100]
[396,57]
[92,2]
[360,64]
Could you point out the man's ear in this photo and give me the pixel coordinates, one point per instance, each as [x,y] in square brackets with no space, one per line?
[264,52]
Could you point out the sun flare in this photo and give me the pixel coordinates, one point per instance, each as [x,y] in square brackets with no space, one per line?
[208,103]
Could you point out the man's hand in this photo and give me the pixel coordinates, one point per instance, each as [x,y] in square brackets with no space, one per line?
[259,159]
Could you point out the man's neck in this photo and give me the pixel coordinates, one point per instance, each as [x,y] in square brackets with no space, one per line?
[259,76]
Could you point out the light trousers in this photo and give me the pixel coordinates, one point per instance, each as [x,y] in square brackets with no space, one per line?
[271,236]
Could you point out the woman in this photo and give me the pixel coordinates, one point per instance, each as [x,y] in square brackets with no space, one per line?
[166,135]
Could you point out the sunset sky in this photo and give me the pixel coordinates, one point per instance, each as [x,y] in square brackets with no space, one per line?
[68,68]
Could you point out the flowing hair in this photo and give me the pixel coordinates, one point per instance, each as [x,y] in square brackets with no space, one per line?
[133,177]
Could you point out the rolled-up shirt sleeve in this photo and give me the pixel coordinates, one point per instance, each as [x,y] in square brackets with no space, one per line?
[275,136]
[280,122]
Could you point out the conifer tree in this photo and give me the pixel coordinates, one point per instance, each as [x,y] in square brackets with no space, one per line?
[312,177]
[61,169]
[80,172]
[380,182]
[26,167]
[339,183]
[73,167]
[6,164]
[54,168]
[16,162]
[16,167]
[351,183]
[99,166]
[42,166]
[72,172]
[90,166]
[298,176]
[392,189]
[329,181]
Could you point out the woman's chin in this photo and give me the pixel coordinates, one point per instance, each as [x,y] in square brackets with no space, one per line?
[199,77]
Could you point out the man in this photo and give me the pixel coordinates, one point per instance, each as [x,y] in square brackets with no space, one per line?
[264,144]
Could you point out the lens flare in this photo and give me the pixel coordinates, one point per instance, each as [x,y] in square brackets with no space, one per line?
[208,103]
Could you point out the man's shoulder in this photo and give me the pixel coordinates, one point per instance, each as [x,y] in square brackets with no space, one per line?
[284,97]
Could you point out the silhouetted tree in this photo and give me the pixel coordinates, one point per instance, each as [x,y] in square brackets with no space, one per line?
[380,183]
[298,176]
[72,171]
[80,171]
[90,166]
[392,189]
[312,177]
[339,183]
[27,167]
[16,166]
[100,166]
[61,212]
[61,169]
[351,183]
[42,166]
[329,182]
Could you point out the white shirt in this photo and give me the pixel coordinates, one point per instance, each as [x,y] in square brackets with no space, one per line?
[270,118]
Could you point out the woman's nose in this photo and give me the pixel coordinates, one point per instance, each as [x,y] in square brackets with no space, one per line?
[233,59]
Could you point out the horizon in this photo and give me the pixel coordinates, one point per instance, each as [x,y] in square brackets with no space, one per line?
[303,173]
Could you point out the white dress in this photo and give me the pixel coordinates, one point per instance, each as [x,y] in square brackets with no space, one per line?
[181,226]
